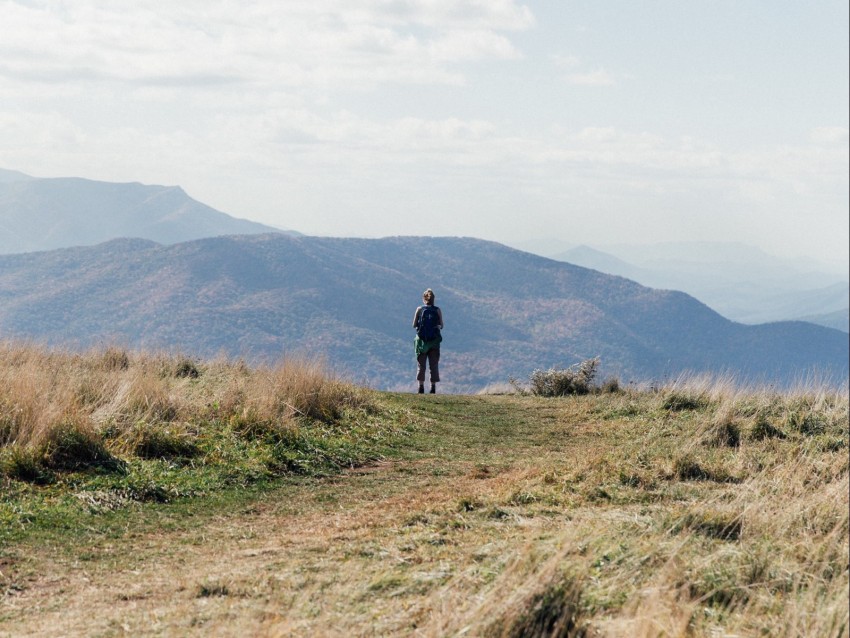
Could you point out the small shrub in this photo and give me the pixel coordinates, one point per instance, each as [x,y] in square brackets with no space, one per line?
[723,433]
[186,369]
[611,385]
[72,447]
[764,429]
[554,382]
[686,468]
[26,464]
[210,590]
[807,424]
[678,401]
[469,504]
[160,443]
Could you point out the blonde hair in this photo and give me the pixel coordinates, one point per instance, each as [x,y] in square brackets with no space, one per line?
[428,296]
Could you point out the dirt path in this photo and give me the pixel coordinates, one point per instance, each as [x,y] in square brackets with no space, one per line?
[283,566]
[374,551]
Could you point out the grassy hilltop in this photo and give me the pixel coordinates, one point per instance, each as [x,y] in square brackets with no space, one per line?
[158,495]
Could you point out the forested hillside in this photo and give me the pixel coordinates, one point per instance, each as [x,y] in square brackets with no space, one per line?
[351,300]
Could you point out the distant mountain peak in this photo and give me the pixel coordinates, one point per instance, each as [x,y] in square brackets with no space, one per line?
[38,214]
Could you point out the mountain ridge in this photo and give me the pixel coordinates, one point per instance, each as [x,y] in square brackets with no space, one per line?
[352,300]
[749,288]
[59,212]
[39,214]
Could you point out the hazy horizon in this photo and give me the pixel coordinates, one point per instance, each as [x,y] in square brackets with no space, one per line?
[577,123]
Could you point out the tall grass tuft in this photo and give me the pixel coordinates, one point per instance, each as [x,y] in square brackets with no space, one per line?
[62,411]
[151,442]
[25,464]
[299,389]
[552,611]
[74,446]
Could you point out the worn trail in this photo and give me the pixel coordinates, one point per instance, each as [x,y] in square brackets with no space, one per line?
[373,551]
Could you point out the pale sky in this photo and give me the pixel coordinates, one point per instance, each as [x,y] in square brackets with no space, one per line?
[589,121]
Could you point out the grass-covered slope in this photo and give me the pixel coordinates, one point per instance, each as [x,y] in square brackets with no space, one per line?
[506,312]
[219,504]
[141,427]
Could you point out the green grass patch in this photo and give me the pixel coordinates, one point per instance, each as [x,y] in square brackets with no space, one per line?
[77,476]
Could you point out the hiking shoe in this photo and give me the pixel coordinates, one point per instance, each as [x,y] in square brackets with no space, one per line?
[421,389]
[433,390]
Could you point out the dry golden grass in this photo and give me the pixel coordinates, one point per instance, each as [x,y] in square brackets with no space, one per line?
[110,392]
[696,509]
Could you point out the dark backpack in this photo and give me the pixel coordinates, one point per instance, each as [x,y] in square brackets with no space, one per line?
[428,327]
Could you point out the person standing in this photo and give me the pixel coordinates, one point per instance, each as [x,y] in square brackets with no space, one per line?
[428,322]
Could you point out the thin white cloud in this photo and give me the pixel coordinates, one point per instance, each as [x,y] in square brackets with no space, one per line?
[289,136]
[572,65]
[457,46]
[566,61]
[477,14]
[599,77]
[830,135]
[296,43]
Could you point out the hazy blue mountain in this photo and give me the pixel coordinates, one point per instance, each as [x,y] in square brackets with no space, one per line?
[13,176]
[589,257]
[727,259]
[738,281]
[840,319]
[543,246]
[352,300]
[42,214]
